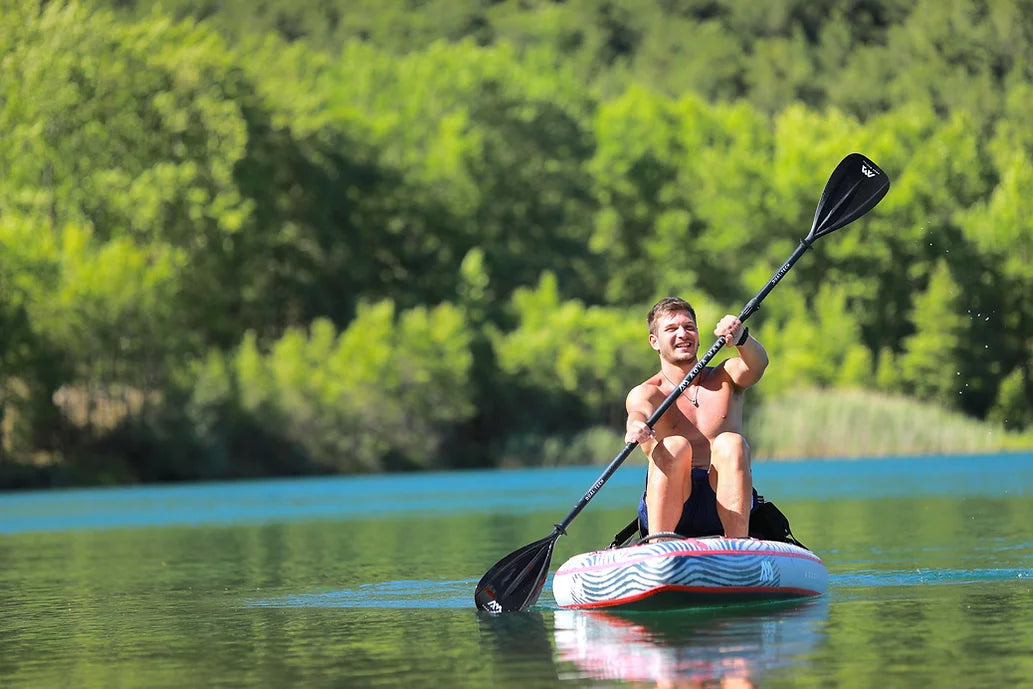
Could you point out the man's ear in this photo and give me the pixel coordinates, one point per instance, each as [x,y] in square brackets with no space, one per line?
[653,342]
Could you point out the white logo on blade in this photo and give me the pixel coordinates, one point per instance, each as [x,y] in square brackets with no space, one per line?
[867,171]
[493,606]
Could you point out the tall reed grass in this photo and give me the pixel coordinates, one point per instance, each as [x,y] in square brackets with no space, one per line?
[857,423]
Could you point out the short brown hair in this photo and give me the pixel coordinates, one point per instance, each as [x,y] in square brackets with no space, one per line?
[667,306]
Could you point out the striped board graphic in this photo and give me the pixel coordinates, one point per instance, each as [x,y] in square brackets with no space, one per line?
[689,572]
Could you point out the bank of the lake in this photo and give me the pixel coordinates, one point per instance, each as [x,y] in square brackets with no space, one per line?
[807,424]
[858,423]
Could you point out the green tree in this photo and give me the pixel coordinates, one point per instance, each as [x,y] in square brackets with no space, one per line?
[1012,408]
[931,365]
[568,365]
[29,368]
[680,184]
[386,389]
[813,341]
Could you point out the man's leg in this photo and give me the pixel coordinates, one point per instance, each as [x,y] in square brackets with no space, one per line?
[669,484]
[732,481]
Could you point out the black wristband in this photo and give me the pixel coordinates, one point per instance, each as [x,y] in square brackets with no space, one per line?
[745,336]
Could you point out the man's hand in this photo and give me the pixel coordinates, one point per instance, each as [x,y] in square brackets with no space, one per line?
[729,328]
[638,432]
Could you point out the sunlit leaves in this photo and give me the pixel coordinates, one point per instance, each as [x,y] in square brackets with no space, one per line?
[680,184]
[1002,224]
[816,340]
[930,365]
[593,352]
[389,386]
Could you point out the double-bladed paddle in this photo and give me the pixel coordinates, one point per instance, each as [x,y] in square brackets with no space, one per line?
[514,582]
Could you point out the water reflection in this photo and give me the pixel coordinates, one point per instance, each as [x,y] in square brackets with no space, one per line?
[519,645]
[727,647]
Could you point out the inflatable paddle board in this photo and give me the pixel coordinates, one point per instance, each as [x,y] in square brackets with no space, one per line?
[689,572]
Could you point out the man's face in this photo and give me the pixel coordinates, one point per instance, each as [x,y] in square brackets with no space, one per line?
[676,337]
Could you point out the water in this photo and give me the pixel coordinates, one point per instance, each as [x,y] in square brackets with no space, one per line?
[368,582]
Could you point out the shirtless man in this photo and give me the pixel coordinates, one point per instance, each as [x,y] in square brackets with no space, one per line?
[699,480]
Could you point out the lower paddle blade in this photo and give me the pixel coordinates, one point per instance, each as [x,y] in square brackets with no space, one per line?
[515,581]
[855,187]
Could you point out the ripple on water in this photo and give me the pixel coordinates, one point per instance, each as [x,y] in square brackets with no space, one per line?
[872,578]
[413,593]
[401,594]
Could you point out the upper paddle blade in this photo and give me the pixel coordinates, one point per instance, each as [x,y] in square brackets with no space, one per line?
[855,187]
[516,580]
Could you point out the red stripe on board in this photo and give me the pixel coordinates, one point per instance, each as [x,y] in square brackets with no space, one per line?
[709,590]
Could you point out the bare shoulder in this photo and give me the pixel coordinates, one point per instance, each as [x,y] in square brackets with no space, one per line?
[645,390]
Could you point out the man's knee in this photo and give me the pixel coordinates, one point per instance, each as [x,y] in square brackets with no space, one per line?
[730,450]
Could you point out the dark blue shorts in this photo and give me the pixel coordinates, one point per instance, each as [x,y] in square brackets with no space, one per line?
[699,515]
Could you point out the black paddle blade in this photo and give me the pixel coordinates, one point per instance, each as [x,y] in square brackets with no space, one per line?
[855,187]
[516,580]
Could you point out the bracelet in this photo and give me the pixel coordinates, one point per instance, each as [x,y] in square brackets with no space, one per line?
[745,336]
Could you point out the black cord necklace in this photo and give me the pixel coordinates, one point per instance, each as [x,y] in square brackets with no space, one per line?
[695,394]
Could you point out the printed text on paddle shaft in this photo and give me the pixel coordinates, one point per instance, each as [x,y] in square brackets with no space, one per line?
[594,489]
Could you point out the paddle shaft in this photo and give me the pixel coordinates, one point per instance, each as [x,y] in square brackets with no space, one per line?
[751,307]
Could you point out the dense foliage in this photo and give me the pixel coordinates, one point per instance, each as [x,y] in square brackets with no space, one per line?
[245,239]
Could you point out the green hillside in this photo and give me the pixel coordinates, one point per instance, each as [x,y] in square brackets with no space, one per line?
[246,239]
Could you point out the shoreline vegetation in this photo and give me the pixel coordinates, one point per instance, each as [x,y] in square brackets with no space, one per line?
[813,424]
[856,423]
[807,425]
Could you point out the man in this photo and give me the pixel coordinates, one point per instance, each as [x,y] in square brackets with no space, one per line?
[699,480]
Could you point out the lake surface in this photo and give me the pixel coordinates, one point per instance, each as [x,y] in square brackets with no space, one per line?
[368,582]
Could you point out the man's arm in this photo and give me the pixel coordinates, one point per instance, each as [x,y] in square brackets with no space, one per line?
[640,406]
[747,368]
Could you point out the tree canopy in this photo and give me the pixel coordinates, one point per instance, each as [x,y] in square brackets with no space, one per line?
[244,239]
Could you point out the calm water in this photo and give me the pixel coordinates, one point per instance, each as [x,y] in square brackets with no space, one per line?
[368,582]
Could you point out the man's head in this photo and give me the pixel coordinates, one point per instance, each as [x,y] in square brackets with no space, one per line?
[666,307]
[672,330]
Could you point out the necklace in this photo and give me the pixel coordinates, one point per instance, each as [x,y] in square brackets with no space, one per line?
[695,394]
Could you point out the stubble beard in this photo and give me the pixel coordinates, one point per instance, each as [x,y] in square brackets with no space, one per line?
[680,358]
